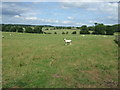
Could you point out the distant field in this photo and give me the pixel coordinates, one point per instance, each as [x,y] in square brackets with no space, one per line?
[43,61]
[59,31]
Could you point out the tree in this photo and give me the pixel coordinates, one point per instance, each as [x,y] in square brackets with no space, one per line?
[74,32]
[95,24]
[29,30]
[3,28]
[38,30]
[68,27]
[99,29]
[91,28]
[109,30]
[84,30]
[6,28]
[116,27]
[13,29]
[19,29]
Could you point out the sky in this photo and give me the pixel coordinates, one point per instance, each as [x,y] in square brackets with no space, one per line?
[60,13]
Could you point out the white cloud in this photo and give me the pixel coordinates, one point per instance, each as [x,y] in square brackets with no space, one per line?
[92,21]
[61,1]
[88,0]
[16,16]
[103,6]
[66,22]
[23,14]
[31,18]
[113,18]
[70,17]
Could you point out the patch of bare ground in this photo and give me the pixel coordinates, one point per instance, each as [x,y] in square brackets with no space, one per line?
[111,84]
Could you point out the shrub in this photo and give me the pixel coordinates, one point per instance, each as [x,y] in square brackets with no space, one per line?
[84,30]
[63,32]
[29,30]
[20,29]
[109,30]
[44,32]
[38,30]
[55,32]
[74,32]
[99,29]
[66,32]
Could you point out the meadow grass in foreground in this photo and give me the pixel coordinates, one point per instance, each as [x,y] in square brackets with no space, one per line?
[44,61]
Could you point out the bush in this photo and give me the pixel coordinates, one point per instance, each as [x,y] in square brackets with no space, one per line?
[55,32]
[99,29]
[84,30]
[74,32]
[13,29]
[66,32]
[38,30]
[44,32]
[20,29]
[29,30]
[63,32]
[109,30]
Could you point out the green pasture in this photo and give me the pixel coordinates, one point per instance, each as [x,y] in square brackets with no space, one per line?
[60,31]
[44,61]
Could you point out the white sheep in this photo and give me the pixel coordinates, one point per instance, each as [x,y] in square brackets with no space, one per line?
[68,41]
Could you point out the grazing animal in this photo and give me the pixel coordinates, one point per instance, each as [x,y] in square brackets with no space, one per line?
[10,34]
[68,41]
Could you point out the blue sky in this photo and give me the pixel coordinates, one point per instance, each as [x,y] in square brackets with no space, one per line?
[59,13]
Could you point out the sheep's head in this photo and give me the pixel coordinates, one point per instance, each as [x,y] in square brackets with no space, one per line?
[64,39]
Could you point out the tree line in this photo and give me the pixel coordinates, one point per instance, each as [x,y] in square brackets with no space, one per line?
[98,28]
[21,28]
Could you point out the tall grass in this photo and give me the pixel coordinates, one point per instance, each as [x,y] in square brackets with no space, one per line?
[44,61]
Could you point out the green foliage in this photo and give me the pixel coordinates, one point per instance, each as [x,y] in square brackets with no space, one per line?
[99,29]
[29,30]
[84,30]
[55,32]
[74,32]
[38,29]
[91,28]
[19,29]
[63,32]
[13,29]
[6,28]
[109,30]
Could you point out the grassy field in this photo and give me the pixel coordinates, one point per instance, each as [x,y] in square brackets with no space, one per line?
[43,61]
[59,31]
